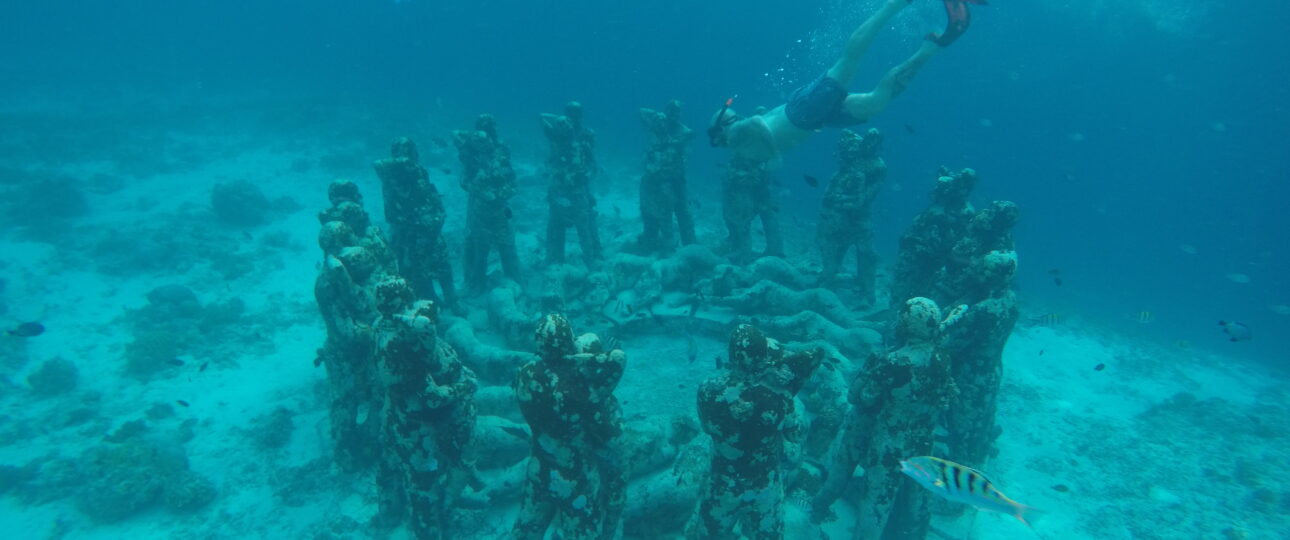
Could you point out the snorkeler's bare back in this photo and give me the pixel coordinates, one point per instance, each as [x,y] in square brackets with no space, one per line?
[765,136]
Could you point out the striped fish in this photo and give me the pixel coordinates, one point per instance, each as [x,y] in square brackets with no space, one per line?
[1047,319]
[963,485]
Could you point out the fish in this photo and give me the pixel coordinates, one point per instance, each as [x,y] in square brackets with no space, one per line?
[1047,319]
[692,348]
[1099,367]
[1054,271]
[175,362]
[1237,277]
[445,170]
[1057,280]
[718,361]
[962,484]
[1236,331]
[1060,488]
[1041,352]
[1143,317]
[181,402]
[1188,249]
[203,368]
[27,329]
[247,235]
[811,180]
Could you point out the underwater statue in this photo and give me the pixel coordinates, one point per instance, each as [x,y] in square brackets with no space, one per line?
[845,216]
[745,196]
[975,345]
[414,211]
[663,191]
[429,416]
[896,401]
[574,480]
[747,411]
[927,247]
[570,166]
[959,255]
[355,259]
[489,180]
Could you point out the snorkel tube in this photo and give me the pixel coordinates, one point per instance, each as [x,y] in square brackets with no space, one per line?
[717,131]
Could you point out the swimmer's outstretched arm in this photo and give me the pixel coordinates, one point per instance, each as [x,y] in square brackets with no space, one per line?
[845,68]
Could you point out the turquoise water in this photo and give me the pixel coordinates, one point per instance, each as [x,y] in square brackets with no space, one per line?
[1143,142]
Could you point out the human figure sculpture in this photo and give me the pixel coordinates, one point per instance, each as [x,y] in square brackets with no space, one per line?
[429,415]
[570,166]
[744,411]
[845,216]
[663,190]
[414,211]
[489,181]
[566,396]
[896,401]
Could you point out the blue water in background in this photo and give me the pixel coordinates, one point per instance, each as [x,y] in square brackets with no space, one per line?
[1182,110]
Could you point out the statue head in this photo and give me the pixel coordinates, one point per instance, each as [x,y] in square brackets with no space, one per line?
[393,295]
[554,337]
[749,350]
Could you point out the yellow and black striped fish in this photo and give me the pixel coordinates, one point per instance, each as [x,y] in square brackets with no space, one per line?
[1047,319]
[963,484]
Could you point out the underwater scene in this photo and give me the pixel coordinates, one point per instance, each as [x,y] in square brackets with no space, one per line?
[825,269]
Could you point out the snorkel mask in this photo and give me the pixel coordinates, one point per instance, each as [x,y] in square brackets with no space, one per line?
[717,131]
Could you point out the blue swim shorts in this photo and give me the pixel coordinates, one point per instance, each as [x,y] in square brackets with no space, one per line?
[818,105]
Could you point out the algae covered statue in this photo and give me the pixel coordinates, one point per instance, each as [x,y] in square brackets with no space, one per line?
[429,416]
[845,215]
[745,412]
[489,180]
[896,402]
[746,196]
[355,260]
[570,166]
[414,211]
[566,396]
[662,193]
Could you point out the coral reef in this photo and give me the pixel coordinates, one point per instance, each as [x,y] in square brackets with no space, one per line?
[54,376]
[241,203]
[414,211]
[120,480]
[845,216]
[489,181]
[175,323]
[570,166]
[663,190]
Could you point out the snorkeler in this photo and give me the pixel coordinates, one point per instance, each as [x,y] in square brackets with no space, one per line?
[825,102]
